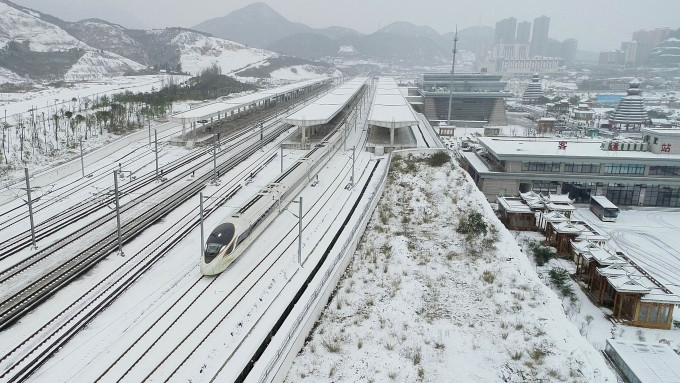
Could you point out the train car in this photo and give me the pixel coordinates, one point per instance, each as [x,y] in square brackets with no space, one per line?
[233,235]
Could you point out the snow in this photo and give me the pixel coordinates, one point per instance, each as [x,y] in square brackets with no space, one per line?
[7,75]
[100,64]
[43,36]
[584,148]
[47,101]
[419,303]
[650,363]
[199,52]
[302,72]
[604,202]
[328,106]
[390,109]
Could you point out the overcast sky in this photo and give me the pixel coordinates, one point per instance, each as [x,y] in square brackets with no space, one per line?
[596,24]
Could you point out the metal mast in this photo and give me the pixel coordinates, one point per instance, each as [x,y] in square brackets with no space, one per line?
[453,67]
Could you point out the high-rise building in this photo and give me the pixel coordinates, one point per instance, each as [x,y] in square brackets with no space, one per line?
[539,36]
[569,47]
[505,31]
[652,38]
[523,32]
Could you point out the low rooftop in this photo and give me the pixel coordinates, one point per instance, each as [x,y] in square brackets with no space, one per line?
[507,148]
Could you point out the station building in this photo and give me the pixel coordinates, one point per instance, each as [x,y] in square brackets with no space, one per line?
[477,99]
[640,173]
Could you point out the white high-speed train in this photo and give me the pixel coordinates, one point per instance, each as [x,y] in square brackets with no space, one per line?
[231,237]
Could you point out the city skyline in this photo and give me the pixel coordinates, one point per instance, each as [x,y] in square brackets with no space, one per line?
[598,26]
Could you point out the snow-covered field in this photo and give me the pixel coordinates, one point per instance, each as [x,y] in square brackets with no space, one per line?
[422,302]
[46,102]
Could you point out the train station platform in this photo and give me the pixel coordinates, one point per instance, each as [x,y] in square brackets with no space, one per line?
[323,110]
[205,122]
[391,117]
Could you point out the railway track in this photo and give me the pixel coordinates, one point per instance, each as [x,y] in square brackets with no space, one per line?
[18,372]
[81,211]
[213,319]
[35,292]
[217,316]
[100,296]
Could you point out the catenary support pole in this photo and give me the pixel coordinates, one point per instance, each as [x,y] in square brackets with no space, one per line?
[202,241]
[30,206]
[300,234]
[120,237]
[82,161]
[214,163]
[353,155]
[155,139]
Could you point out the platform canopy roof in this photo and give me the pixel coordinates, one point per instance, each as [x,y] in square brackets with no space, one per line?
[226,106]
[390,108]
[325,108]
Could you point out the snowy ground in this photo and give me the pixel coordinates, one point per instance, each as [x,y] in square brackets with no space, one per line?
[421,302]
[651,229]
[648,236]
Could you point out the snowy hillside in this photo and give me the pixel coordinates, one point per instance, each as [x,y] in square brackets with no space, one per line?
[199,52]
[7,75]
[24,25]
[96,65]
[422,301]
[303,72]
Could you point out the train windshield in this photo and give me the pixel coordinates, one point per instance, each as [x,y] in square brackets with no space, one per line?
[222,236]
[211,251]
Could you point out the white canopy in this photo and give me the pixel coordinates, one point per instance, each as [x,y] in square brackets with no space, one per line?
[325,108]
[390,108]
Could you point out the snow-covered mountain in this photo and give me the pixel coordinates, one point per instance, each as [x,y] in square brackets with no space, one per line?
[25,26]
[198,52]
[35,46]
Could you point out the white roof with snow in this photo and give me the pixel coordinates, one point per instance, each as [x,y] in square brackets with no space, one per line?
[390,108]
[604,202]
[325,108]
[513,205]
[649,362]
[508,148]
[629,278]
[223,107]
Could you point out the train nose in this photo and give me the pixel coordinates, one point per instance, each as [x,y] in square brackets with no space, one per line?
[208,268]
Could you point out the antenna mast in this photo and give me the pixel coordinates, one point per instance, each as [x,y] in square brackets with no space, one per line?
[453,67]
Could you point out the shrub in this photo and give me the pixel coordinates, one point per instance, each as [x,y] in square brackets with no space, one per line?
[488,277]
[560,279]
[472,224]
[542,253]
[332,346]
[438,159]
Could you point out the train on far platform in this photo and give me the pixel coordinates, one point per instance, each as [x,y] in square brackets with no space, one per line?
[233,235]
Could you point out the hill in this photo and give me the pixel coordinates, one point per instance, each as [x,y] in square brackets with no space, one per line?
[40,47]
[256,25]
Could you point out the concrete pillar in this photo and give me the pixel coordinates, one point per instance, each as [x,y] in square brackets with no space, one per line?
[391,136]
[304,136]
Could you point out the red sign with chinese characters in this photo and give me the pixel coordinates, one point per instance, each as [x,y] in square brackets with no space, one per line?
[666,148]
[562,145]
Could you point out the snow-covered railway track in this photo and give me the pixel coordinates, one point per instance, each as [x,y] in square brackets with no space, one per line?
[170,347]
[241,126]
[19,213]
[50,279]
[26,357]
